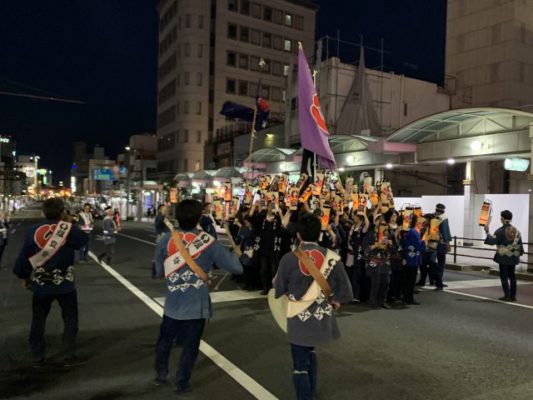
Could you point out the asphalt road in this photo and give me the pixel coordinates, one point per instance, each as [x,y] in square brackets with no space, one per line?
[456,345]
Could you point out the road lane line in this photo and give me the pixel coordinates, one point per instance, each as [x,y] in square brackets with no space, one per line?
[243,379]
[136,238]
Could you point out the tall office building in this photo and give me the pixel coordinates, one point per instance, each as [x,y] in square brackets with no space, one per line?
[489,53]
[209,53]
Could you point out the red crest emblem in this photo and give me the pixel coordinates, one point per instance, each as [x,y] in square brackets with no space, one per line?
[316,256]
[187,239]
[316,113]
[42,234]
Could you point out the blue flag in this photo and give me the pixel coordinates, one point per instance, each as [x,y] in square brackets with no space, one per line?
[233,110]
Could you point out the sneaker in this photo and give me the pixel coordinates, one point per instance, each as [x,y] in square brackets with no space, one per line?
[159,382]
[38,363]
[385,306]
[505,298]
[513,298]
[182,389]
[437,289]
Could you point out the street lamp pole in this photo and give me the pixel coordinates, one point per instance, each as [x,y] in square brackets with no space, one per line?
[128,179]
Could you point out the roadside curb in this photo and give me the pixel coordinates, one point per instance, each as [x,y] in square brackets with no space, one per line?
[523,276]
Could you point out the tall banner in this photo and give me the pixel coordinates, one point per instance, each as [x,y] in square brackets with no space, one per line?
[313,130]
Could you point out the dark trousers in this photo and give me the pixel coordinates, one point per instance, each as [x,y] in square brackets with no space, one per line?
[108,253]
[438,270]
[379,283]
[359,281]
[424,270]
[395,291]
[251,277]
[269,267]
[408,284]
[507,275]
[2,248]
[304,374]
[41,304]
[84,251]
[187,333]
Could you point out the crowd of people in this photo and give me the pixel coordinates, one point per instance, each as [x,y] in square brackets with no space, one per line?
[382,252]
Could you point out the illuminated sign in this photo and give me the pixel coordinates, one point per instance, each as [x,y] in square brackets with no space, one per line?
[4,140]
[73,184]
[103,174]
[41,171]
[516,164]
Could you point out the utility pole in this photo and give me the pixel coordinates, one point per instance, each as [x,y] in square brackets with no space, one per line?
[128,180]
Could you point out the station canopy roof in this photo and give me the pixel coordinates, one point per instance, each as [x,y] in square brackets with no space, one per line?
[271,155]
[462,123]
[227,172]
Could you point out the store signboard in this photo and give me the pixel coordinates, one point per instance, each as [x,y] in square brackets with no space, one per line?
[516,164]
[103,174]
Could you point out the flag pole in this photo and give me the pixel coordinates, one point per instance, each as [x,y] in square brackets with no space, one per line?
[254,120]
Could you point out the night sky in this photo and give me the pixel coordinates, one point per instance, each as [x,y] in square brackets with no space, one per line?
[104,53]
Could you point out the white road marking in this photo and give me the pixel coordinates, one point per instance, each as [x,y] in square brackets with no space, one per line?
[509,303]
[226,296]
[243,379]
[137,239]
[479,283]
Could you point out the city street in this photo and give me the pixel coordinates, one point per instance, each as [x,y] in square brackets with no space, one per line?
[455,345]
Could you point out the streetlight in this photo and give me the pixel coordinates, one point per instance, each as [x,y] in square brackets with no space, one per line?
[36,161]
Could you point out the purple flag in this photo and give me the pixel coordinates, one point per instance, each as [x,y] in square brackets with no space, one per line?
[313,130]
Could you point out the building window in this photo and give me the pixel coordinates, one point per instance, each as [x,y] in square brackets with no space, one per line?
[243,61]
[256,10]
[243,88]
[178,108]
[267,40]
[232,31]
[187,21]
[197,166]
[294,103]
[199,79]
[252,89]
[405,109]
[277,42]
[185,164]
[267,14]
[232,59]
[187,49]
[198,136]
[254,63]
[275,93]
[199,108]
[245,7]
[287,45]
[266,67]
[276,68]
[230,86]
[288,19]
[244,34]
[286,69]
[278,17]
[166,117]
[299,22]
[179,22]
[200,51]
[178,80]
[185,136]
[232,5]
[186,107]
[256,37]
[186,79]
[265,92]
[200,22]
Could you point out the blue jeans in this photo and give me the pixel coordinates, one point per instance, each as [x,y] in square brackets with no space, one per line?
[436,269]
[304,371]
[507,275]
[186,333]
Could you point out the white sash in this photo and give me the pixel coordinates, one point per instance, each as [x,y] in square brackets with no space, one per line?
[176,261]
[296,307]
[168,224]
[283,308]
[56,241]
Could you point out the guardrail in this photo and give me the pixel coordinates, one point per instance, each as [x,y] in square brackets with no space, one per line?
[459,243]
